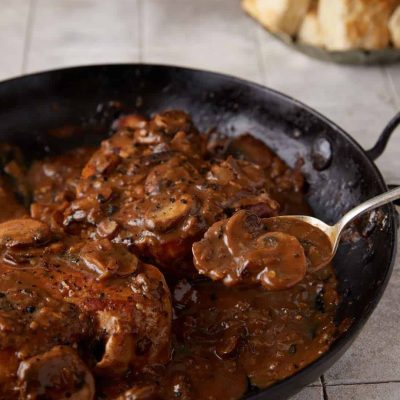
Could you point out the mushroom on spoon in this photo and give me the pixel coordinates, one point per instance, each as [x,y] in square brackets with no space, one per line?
[274,252]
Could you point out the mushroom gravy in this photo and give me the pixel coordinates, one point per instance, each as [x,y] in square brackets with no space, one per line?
[101,297]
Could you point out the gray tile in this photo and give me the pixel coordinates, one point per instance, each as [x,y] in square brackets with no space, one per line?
[13,23]
[207,34]
[68,32]
[309,393]
[69,58]
[316,82]
[381,391]
[375,355]
[394,74]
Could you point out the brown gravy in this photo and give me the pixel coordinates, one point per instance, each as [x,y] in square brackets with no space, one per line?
[97,274]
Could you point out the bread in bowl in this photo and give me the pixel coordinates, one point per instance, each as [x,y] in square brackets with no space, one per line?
[279,16]
[351,24]
[310,29]
[394,27]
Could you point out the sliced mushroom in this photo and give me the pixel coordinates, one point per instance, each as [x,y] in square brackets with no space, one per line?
[221,173]
[237,250]
[23,232]
[212,258]
[249,148]
[21,255]
[130,121]
[241,229]
[107,259]
[164,175]
[101,163]
[173,121]
[238,173]
[182,143]
[279,262]
[119,349]
[57,374]
[121,144]
[153,323]
[165,212]
[107,228]
[316,244]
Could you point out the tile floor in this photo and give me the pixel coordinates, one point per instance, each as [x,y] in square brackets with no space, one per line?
[215,35]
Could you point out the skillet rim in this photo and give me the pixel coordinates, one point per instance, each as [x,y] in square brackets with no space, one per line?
[343,342]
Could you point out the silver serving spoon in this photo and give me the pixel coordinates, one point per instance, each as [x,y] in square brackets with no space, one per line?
[333,232]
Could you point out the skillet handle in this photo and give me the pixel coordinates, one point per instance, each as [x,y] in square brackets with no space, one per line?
[382,142]
[383,139]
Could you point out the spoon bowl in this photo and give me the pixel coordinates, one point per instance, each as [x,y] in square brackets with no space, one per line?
[334,232]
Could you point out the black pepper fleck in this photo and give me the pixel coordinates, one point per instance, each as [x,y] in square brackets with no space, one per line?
[292,349]
[30,309]
[111,209]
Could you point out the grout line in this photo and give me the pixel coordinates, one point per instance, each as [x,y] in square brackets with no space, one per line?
[140,20]
[360,383]
[260,59]
[392,86]
[324,391]
[28,34]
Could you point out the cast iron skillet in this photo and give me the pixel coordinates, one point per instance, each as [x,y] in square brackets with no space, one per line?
[340,174]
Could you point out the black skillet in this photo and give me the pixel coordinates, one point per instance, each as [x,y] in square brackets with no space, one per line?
[340,174]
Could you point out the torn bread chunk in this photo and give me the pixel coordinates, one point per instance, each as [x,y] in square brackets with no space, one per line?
[310,29]
[355,24]
[278,15]
[394,27]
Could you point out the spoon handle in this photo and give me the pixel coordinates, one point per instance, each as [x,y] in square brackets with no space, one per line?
[369,205]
